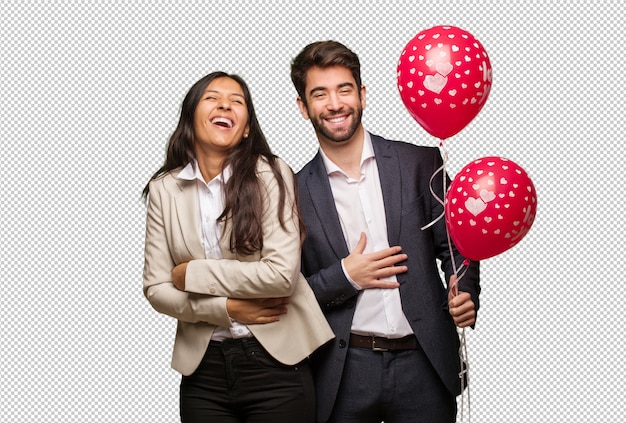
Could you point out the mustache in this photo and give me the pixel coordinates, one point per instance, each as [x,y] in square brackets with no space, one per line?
[337,113]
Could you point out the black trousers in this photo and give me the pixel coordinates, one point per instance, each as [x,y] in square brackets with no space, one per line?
[392,386]
[238,381]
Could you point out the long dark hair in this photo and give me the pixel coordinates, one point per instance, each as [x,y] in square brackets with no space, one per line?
[243,202]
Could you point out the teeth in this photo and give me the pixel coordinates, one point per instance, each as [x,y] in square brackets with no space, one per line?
[337,119]
[228,122]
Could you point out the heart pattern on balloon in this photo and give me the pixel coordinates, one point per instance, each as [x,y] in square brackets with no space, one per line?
[489,207]
[444,68]
[435,83]
[444,77]
[475,205]
[487,196]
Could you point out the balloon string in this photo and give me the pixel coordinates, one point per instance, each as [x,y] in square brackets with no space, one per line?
[459,272]
[441,169]
[465,377]
[439,200]
[464,360]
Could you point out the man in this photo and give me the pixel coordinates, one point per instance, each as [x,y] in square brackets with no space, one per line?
[364,201]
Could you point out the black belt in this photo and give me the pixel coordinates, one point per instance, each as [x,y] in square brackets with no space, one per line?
[377,343]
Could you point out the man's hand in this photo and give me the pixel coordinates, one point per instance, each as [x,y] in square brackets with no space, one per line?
[178,276]
[460,305]
[370,270]
[256,310]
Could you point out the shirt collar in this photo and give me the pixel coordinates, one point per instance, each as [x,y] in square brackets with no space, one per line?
[192,172]
[367,153]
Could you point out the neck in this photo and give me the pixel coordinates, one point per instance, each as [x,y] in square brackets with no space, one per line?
[346,154]
[210,165]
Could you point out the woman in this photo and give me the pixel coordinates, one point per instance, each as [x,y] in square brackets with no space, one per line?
[222,255]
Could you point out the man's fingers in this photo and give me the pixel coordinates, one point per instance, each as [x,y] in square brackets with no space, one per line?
[386,272]
[465,320]
[392,260]
[459,299]
[386,253]
[360,246]
[462,310]
[384,284]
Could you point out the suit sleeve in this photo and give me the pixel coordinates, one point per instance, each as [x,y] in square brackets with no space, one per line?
[275,272]
[157,281]
[328,291]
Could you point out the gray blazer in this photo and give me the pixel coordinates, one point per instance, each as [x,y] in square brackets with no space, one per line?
[172,237]
[405,171]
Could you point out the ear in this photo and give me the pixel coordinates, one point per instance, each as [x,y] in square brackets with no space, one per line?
[363,102]
[303,111]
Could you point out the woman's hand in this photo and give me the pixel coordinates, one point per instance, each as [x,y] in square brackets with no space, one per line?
[256,310]
[178,276]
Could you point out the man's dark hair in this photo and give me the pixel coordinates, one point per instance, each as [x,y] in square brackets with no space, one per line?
[323,54]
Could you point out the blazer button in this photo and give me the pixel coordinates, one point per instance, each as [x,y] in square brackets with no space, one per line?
[342,343]
[212,291]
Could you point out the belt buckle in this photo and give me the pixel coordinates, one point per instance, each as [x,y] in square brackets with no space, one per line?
[375,348]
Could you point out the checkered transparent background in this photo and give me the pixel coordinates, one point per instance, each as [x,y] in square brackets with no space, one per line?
[90,92]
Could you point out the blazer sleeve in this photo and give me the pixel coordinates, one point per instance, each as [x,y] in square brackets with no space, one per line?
[331,286]
[273,272]
[157,280]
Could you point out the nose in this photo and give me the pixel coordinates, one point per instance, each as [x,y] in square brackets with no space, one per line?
[224,105]
[334,103]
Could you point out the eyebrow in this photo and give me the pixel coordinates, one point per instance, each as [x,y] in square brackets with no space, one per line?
[342,85]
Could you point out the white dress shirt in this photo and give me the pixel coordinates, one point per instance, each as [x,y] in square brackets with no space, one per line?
[360,207]
[211,206]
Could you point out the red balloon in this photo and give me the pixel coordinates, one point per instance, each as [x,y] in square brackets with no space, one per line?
[489,207]
[444,78]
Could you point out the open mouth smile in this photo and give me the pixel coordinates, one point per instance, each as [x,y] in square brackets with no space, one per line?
[223,122]
[337,119]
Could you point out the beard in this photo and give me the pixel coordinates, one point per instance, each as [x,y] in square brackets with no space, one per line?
[334,135]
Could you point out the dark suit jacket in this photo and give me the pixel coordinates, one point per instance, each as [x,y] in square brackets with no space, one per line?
[405,171]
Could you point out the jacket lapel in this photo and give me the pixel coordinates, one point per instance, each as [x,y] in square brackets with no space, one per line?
[318,185]
[391,185]
[186,206]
